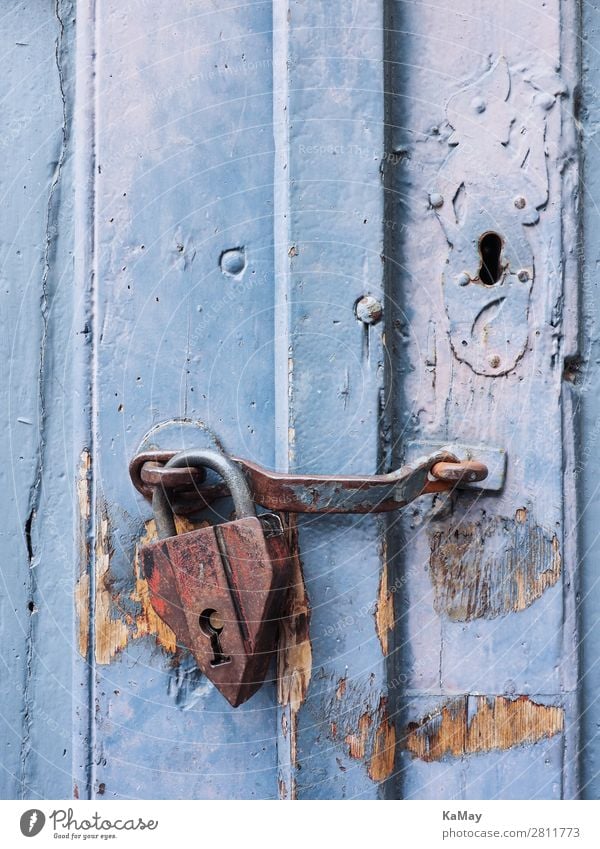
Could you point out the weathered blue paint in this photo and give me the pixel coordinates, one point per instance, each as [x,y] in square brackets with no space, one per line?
[488,602]
[328,246]
[183,163]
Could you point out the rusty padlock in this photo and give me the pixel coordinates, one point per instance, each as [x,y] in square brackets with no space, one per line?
[221,588]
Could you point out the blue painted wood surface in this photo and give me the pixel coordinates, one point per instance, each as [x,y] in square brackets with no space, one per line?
[489,604]
[38,557]
[185,235]
[184,171]
[328,246]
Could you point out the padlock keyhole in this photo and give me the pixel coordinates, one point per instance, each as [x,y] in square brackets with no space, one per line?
[211,625]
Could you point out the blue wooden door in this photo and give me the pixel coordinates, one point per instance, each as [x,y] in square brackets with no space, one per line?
[196,197]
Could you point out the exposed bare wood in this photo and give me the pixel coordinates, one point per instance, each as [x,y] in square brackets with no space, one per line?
[493,566]
[341,688]
[82,608]
[384,612]
[111,631]
[357,741]
[115,626]
[294,659]
[381,764]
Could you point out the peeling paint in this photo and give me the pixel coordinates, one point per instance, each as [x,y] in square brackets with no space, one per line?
[294,657]
[82,607]
[110,630]
[473,724]
[381,764]
[384,612]
[370,737]
[357,742]
[492,567]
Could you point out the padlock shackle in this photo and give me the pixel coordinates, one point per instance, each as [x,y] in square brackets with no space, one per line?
[210,459]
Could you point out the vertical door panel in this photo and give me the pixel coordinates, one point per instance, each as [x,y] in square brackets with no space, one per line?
[336,740]
[481,140]
[36,344]
[183,329]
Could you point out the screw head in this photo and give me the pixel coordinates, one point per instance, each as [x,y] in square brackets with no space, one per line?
[368,309]
[478,104]
[463,278]
[494,361]
[523,275]
[520,202]
[436,200]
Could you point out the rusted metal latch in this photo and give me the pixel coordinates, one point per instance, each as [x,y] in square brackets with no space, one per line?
[222,588]
[189,493]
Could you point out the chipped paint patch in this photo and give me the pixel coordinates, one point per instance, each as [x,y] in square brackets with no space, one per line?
[147,622]
[294,656]
[384,612]
[473,724]
[492,567]
[110,630]
[381,764]
[357,742]
[369,733]
[82,606]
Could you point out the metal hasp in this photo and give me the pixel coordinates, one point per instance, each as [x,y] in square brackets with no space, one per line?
[153,471]
[221,588]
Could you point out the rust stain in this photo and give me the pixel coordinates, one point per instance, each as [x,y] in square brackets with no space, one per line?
[384,612]
[492,567]
[384,747]
[341,688]
[82,587]
[473,724]
[357,742]
[294,656]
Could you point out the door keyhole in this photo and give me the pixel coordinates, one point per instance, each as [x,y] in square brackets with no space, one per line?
[490,250]
[211,624]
